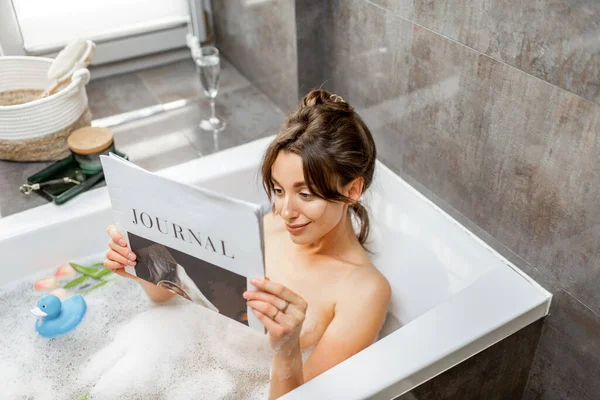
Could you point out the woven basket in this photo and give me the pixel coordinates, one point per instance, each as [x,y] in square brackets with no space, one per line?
[37,130]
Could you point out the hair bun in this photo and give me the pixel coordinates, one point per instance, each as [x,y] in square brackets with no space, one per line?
[319,96]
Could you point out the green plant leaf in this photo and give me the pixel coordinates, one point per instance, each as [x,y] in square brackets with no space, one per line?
[101,273]
[95,273]
[75,282]
[95,287]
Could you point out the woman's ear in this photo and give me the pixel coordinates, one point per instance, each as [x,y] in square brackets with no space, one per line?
[354,188]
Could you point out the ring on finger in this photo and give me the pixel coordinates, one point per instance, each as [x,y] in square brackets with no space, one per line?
[276,312]
[287,303]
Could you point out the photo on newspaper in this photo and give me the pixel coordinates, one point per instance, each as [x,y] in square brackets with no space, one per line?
[199,281]
[199,244]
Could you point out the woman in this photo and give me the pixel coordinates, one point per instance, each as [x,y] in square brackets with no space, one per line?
[322,298]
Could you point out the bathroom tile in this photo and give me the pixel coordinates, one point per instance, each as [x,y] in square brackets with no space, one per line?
[512,153]
[567,361]
[369,56]
[259,39]
[313,30]
[275,87]
[180,80]
[557,41]
[497,373]
[389,143]
[118,94]
[403,8]
[369,53]
[12,176]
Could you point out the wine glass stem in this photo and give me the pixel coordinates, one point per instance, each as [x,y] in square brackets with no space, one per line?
[212,110]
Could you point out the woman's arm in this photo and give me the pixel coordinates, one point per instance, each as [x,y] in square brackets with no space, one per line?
[282,312]
[155,293]
[287,373]
[118,256]
[359,314]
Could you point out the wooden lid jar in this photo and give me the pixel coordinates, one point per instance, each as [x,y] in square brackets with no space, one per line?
[88,144]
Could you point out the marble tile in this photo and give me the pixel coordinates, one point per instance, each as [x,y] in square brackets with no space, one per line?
[369,55]
[504,365]
[180,80]
[118,94]
[403,8]
[12,176]
[557,41]
[512,153]
[259,39]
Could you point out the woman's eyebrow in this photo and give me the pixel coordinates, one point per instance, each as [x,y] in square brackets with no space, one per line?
[296,184]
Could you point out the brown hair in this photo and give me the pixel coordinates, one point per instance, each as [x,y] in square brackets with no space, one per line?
[335,146]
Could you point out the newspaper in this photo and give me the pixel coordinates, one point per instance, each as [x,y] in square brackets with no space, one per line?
[199,244]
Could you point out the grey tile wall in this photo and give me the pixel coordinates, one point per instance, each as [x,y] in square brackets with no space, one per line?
[496,146]
[372,45]
[514,155]
[405,8]
[312,25]
[259,39]
[556,41]
[567,361]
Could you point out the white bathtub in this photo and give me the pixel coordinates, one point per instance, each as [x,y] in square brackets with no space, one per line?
[453,296]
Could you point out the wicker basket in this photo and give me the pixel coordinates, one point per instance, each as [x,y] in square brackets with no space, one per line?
[37,130]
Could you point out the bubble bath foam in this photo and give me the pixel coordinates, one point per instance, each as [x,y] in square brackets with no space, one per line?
[128,347]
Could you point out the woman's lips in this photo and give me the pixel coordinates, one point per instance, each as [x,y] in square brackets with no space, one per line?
[297,228]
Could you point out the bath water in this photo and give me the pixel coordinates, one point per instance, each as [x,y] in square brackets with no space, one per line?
[128,347]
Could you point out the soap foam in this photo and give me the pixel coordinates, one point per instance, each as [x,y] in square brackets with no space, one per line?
[127,347]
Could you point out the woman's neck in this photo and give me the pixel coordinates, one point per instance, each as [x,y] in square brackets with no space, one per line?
[337,241]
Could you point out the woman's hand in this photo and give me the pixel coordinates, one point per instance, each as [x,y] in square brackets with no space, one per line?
[280,310]
[118,255]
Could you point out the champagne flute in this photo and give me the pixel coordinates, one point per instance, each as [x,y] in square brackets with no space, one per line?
[208,65]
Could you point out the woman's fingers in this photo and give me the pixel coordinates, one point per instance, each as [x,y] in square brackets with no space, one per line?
[114,256]
[116,236]
[118,255]
[266,308]
[272,326]
[280,291]
[118,268]
[266,297]
[112,265]
[124,251]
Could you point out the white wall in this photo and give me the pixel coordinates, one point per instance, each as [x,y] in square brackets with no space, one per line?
[10,34]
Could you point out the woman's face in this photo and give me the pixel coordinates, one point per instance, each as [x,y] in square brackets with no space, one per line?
[307,217]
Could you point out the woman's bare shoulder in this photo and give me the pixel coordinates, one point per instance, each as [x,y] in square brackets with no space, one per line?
[366,279]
